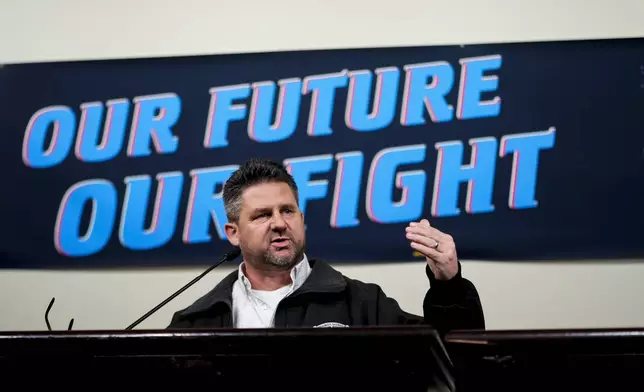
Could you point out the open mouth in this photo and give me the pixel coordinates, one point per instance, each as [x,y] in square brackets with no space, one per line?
[280,242]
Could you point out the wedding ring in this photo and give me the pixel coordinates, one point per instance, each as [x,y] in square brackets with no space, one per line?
[435,245]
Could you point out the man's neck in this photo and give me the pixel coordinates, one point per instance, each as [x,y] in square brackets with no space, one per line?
[267,280]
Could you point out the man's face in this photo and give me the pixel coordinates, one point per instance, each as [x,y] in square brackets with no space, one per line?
[270,230]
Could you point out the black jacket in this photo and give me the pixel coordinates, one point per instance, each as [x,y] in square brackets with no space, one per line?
[327,296]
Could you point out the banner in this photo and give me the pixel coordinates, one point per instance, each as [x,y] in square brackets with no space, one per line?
[527,151]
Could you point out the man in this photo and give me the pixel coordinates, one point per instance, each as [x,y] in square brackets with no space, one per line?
[277,285]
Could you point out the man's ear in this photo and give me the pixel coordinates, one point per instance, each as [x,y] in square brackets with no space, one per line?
[232,233]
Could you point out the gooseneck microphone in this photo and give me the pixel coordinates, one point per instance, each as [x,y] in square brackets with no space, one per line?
[230,255]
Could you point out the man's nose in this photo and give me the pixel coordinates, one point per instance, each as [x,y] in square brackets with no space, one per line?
[278,222]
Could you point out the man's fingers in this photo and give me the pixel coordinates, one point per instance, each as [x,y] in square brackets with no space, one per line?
[428,245]
[427,251]
[428,232]
[421,239]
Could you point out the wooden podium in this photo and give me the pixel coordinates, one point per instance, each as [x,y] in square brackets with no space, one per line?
[325,359]
[548,360]
[328,359]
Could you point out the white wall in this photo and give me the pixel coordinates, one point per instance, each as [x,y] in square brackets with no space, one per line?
[515,295]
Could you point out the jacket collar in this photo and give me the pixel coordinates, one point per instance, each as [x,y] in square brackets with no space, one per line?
[322,279]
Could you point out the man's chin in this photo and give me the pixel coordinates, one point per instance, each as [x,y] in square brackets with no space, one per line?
[283,258]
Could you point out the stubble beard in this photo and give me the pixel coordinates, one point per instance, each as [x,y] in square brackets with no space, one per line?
[284,262]
[268,260]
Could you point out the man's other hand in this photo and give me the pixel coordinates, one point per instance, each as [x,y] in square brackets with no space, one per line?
[437,247]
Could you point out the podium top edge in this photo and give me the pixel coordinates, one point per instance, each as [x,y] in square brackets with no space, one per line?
[499,336]
[398,331]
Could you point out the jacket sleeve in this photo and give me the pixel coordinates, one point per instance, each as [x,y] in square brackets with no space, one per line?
[448,305]
[452,304]
[178,322]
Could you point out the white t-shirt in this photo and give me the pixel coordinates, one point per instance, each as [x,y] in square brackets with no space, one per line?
[256,308]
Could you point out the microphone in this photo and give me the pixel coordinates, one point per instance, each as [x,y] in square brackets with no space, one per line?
[228,256]
[51,303]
